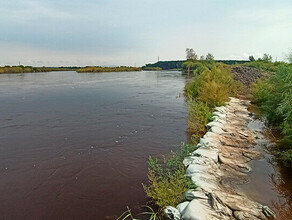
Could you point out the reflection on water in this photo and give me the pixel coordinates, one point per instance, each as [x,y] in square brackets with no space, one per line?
[74,146]
[269,183]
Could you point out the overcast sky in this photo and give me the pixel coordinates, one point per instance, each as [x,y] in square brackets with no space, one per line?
[135,32]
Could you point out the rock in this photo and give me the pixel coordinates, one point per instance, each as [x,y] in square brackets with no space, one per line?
[181,207]
[247,75]
[172,213]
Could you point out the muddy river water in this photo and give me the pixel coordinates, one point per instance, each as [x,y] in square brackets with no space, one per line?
[75,146]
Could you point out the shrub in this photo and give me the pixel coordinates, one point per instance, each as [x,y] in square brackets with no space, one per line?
[167,180]
[167,190]
[213,86]
[199,115]
[274,97]
[264,66]
[197,67]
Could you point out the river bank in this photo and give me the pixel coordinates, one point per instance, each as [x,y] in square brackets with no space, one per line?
[207,89]
[219,165]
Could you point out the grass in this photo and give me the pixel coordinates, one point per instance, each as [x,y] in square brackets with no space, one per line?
[152,215]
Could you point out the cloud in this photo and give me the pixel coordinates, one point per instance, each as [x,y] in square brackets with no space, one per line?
[134,31]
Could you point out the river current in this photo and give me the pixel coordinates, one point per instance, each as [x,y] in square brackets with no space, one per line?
[75,146]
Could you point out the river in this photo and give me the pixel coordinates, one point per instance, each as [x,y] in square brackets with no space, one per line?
[75,146]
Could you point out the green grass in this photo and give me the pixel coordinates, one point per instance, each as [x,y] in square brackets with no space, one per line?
[151,214]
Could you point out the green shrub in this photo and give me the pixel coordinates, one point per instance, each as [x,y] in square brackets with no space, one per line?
[264,66]
[274,97]
[198,66]
[167,180]
[167,190]
[199,115]
[287,157]
[213,86]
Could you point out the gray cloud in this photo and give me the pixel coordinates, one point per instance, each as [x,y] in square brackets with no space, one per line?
[131,31]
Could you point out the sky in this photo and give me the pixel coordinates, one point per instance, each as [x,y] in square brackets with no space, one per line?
[136,32]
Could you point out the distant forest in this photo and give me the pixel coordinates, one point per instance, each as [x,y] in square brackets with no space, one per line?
[177,65]
[30,69]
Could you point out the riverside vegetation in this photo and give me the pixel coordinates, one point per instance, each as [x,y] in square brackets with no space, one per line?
[98,69]
[273,95]
[211,85]
[30,69]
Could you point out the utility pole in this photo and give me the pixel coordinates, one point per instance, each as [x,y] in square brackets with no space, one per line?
[158,58]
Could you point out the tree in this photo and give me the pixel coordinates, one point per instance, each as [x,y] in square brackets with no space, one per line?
[191,55]
[209,56]
[267,58]
[251,58]
[289,57]
[202,57]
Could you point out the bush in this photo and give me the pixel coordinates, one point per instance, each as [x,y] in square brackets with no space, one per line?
[264,66]
[197,67]
[274,97]
[167,180]
[199,115]
[167,191]
[213,86]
